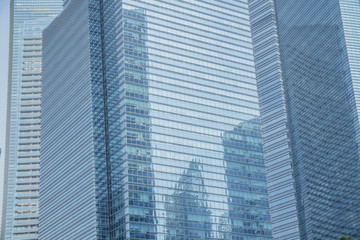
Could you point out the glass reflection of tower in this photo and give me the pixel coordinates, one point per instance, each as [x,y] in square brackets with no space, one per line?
[175,72]
[249,212]
[131,181]
[187,213]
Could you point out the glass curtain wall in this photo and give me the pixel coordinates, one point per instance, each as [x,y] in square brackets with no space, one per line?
[21,185]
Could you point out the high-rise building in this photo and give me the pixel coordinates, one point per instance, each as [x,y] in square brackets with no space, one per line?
[307,64]
[22,154]
[150,123]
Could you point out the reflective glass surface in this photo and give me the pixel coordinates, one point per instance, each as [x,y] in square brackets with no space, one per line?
[350,13]
[319,70]
[74,194]
[21,186]
[184,131]
[161,135]
[275,131]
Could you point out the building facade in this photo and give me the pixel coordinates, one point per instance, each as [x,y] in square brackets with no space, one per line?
[150,123]
[306,55]
[274,121]
[20,216]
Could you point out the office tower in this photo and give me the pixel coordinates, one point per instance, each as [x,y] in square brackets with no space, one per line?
[150,123]
[22,154]
[306,55]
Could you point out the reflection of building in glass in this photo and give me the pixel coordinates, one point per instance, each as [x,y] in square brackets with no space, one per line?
[187,213]
[246,181]
[311,123]
[135,186]
[150,86]
[20,217]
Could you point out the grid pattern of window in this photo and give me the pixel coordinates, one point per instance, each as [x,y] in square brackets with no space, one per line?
[21,186]
[185,147]
[322,121]
[280,174]
[74,194]
[183,150]
[350,13]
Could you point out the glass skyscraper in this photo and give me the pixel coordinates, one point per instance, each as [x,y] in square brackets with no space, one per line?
[150,123]
[307,55]
[28,18]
